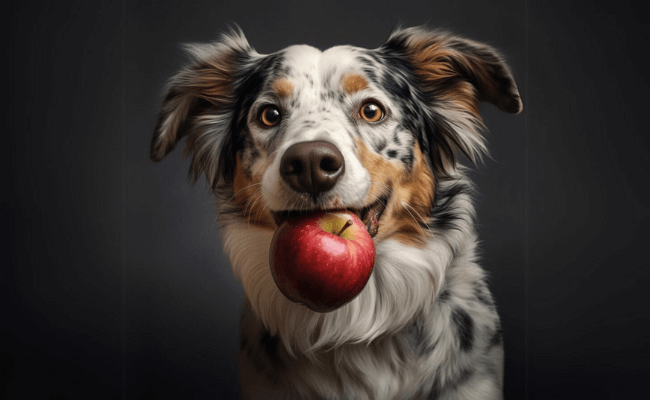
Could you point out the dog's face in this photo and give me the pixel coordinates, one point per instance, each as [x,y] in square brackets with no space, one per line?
[325,133]
[372,131]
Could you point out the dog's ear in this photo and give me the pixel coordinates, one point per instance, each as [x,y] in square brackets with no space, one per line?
[453,75]
[200,102]
[447,65]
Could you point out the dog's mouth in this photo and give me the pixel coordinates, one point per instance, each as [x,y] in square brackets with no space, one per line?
[370,215]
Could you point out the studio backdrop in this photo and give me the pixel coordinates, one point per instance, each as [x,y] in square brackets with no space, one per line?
[116,285]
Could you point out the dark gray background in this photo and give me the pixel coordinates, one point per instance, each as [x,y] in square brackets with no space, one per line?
[115,285]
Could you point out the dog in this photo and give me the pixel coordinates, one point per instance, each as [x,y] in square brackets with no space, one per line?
[397,117]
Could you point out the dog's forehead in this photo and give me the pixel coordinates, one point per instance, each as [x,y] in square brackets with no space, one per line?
[305,62]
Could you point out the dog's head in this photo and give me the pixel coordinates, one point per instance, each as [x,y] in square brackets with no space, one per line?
[372,131]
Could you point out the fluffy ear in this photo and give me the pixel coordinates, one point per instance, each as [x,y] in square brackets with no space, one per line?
[200,102]
[453,75]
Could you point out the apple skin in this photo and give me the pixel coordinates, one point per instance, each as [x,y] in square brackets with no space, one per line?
[313,266]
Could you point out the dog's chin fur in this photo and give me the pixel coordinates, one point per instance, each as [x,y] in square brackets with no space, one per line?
[404,284]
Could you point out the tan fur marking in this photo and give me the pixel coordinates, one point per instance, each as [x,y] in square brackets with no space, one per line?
[381,170]
[283,88]
[209,80]
[213,80]
[434,63]
[248,196]
[353,83]
[411,195]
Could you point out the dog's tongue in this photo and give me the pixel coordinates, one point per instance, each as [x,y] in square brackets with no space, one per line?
[322,260]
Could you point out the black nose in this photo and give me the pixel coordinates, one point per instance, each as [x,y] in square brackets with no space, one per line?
[312,167]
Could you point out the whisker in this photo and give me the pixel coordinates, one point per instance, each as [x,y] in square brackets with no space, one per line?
[407,206]
[248,212]
[233,196]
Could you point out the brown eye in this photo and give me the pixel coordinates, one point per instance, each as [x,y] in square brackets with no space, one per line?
[270,116]
[371,112]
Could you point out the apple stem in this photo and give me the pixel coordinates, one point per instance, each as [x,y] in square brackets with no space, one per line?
[348,224]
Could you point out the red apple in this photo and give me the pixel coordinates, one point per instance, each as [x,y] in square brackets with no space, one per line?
[323,259]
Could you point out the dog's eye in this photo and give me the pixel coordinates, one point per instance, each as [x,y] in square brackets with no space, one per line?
[270,116]
[371,112]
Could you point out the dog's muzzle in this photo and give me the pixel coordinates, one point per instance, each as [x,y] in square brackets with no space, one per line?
[315,167]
